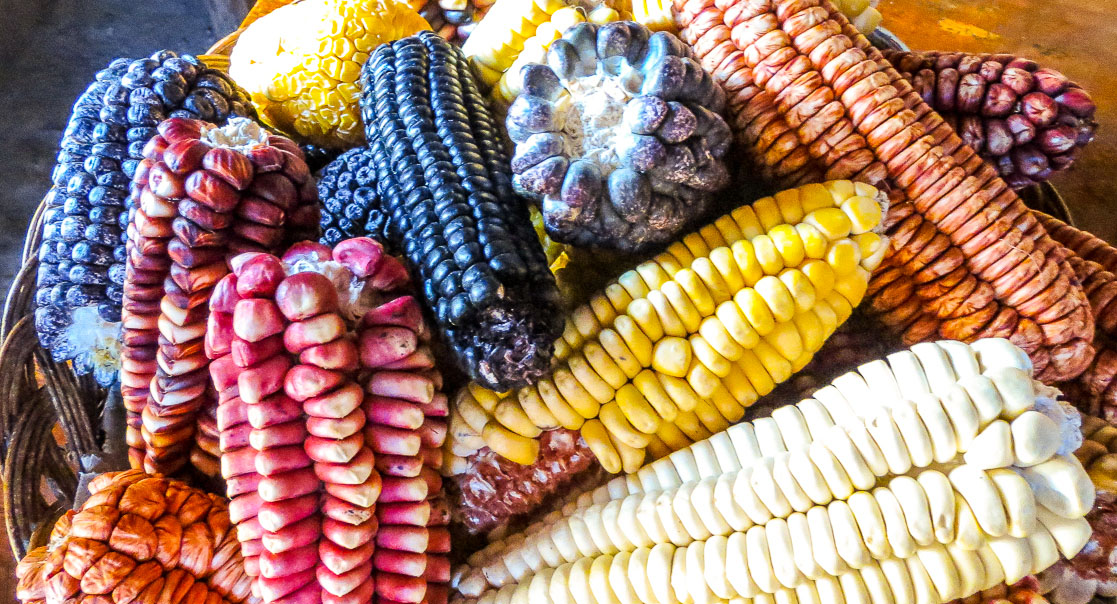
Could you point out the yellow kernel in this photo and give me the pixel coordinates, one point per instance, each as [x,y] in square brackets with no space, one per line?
[840,190]
[565,414]
[800,287]
[744,255]
[562,349]
[512,416]
[777,297]
[648,385]
[637,340]
[727,406]
[653,274]
[603,14]
[755,309]
[687,422]
[722,259]
[632,458]
[833,223]
[798,364]
[597,439]
[350,71]
[746,219]
[865,190]
[767,255]
[680,391]
[669,264]
[570,334]
[617,425]
[671,356]
[637,409]
[777,367]
[788,244]
[785,339]
[604,365]
[584,403]
[729,230]
[737,324]
[841,306]
[683,306]
[844,256]
[791,209]
[821,276]
[697,292]
[826,316]
[708,357]
[694,243]
[565,18]
[756,373]
[853,287]
[618,297]
[474,415]
[864,214]
[584,321]
[669,319]
[634,284]
[814,197]
[536,410]
[602,309]
[679,252]
[873,248]
[673,437]
[810,329]
[712,236]
[644,314]
[618,352]
[330,66]
[739,387]
[815,244]
[341,48]
[598,388]
[485,397]
[510,445]
[714,332]
[767,212]
[656,449]
[710,417]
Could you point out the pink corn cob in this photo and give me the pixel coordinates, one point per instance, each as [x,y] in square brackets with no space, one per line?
[406,427]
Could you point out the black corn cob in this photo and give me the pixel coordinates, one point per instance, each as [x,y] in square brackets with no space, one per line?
[445,183]
[81,259]
[351,204]
[1028,121]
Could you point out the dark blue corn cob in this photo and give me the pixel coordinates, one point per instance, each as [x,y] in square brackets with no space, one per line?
[81,258]
[444,182]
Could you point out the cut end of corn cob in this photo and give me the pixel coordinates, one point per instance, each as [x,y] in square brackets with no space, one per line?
[863,491]
[677,348]
[301,63]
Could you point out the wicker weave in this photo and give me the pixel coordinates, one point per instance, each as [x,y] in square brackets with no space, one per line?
[54,424]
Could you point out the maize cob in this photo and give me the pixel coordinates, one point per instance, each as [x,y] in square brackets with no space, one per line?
[138,538]
[689,339]
[201,192]
[301,63]
[618,137]
[810,97]
[443,179]
[82,254]
[1027,121]
[858,491]
[1081,243]
[351,207]
[454,20]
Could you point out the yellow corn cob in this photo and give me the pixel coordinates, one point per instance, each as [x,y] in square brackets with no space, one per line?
[674,350]
[896,483]
[1098,452]
[502,34]
[301,63]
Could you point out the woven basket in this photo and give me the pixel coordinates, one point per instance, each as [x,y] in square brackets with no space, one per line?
[57,427]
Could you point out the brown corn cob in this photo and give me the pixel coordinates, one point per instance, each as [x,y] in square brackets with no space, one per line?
[1029,122]
[1085,245]
[206,454]
[138,538]
[969,260]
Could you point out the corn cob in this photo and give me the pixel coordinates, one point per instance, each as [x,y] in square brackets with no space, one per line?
[467,235]
[858,491]
[301,63]
[454,20]
[82,254]
[1027,121]
[677,348]
[810,97]
[198,198]
[1081,243]
[138,538]
[618,137]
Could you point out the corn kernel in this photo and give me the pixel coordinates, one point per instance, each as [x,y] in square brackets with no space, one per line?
[814,197]
[811,329]
[788,244]
[841,190]
[786,341]
[688,424]
[756,310]
[638,340]
[728,407]
[767,255]
[744,255]
[618,425]
[790,207]
[739,386]
[669,320]
[597,439]
[637,409]
[778,298]
[512,416]
[709,357]
[653,274]
[714,332]
[649,386]
[710,418]
[683,306]
[697,292]
[853,289]
[873,248]
[767,212]
[755,372]
[565,414]
[536,410]
[598,388]
[584,403]
[800,287]
[728,229]
[510,445]
[672,356]
[777,366]
[746,220]
[679,391]
[844,257]
[864,214]
[672,436]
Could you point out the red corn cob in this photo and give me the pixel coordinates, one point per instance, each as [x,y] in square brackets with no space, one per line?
[969,260]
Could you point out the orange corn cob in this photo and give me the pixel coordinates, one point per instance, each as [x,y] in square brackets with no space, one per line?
[811,99]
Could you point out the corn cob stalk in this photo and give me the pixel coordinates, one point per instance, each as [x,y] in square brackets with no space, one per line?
[301,63]
[467,235]
[934,475]
[810,97]
[1027,121]
[138,538]
[677,348]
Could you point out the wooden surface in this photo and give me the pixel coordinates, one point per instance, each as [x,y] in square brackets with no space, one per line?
[1077,37]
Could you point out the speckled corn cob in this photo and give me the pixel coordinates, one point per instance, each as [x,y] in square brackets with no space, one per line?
[1029,122]
[301,63]
[811,99]
[677,348]
[946,460]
